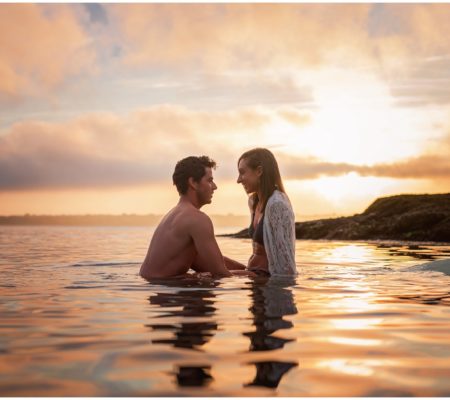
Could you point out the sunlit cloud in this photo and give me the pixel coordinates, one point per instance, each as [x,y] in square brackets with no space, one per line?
[107,150]
[423,167]
[245,35]
[425,84]
[427,166]
[220,36]
[40,48]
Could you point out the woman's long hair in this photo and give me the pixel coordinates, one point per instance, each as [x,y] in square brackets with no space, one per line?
[270,178]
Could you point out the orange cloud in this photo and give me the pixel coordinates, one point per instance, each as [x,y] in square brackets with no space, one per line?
[40,48]
[105,150]
[426,166]
[221,36]
[247,36]
[434,167]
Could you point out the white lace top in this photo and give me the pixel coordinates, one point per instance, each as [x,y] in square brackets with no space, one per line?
[279,235]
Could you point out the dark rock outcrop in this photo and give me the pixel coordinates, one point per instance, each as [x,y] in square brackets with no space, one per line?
[404,217]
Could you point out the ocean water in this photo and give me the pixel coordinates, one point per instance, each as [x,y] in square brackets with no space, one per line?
[361,319]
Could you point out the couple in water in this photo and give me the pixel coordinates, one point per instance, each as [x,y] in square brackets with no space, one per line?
[185,239]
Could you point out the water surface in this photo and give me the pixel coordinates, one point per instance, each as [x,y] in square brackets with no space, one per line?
[361,319]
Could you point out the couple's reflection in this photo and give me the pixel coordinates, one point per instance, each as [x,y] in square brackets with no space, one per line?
[179,305]
[272,299]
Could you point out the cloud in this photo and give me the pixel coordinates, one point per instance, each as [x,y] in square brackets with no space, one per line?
[396,42]
[295,118]
[223,36]
[41,47]
[426,166]
[426,83]
[432,167]
[100,150]
[104,150]
[220,44]
[217,37]
[420,29]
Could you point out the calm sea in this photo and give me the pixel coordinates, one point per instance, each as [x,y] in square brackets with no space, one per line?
[361,319]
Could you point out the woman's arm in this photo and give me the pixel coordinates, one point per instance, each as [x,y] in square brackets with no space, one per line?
[279,238]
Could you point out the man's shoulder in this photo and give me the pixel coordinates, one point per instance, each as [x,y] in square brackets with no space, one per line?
[193,217]
[199,217]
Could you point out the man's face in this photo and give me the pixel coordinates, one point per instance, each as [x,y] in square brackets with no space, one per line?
[206,187]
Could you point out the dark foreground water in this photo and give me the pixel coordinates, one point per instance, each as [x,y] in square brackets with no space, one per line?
[360,320]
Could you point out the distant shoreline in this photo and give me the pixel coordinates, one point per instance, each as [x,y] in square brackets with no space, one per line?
[107,220]
[220,220]
[407,218]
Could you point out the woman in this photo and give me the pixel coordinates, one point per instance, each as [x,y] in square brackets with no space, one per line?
[272,227]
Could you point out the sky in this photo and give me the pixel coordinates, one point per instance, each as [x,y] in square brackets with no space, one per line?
[99,101]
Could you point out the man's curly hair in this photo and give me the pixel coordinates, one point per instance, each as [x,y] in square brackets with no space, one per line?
[190,167]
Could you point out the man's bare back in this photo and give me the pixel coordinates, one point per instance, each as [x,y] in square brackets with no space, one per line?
[185,238]
[172,251]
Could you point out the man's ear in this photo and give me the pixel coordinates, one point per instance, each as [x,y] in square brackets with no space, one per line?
[259,170]
[192,183]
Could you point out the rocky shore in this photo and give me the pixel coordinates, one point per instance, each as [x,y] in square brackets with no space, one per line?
[404,217]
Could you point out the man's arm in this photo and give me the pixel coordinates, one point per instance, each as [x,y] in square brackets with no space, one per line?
[209,258]
[232,264]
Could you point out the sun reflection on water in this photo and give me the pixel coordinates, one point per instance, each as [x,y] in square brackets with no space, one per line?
[359,368]
[351,252]
[354,341]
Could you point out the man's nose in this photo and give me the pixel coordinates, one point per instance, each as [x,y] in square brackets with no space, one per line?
[239,180]
[214,186]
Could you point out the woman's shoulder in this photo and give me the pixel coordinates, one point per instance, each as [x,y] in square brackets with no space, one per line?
[278,197]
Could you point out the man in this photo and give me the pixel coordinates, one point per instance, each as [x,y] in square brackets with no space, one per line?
[185,237]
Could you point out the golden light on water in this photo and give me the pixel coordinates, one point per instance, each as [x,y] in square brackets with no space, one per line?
[354,341]
[355,323]
[351,367]
[352,253]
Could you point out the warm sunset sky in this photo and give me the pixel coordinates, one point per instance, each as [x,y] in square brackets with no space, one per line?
[98,102]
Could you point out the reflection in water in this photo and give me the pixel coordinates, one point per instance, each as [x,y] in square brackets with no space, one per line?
[272,299]
[184,304]
[269,373]
[193,376]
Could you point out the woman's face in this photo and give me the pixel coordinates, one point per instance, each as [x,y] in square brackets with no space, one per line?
[249,177]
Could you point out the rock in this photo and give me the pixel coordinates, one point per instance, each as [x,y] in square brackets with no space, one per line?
[421,217]
[404,217]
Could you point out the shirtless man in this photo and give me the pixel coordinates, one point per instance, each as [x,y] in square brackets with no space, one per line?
[185,237]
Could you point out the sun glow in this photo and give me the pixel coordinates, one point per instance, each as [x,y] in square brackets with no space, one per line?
[351,191]
[355,122]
